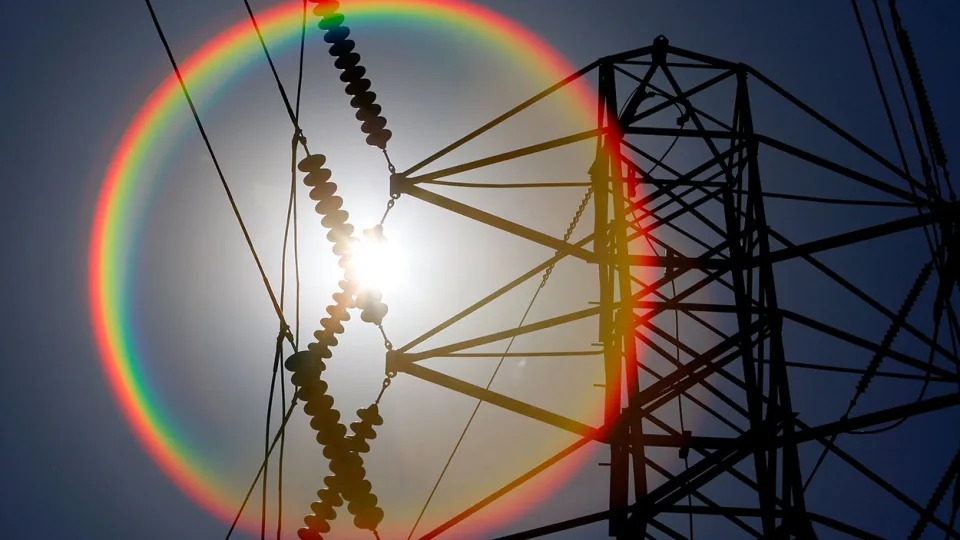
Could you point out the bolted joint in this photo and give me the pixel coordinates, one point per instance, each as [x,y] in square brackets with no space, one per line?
[396,185]
[659,53]
[394,361]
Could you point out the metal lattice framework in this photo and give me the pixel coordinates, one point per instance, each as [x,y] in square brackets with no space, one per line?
[707,325]
[704,299]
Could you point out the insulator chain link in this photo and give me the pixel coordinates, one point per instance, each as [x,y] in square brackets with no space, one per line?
[390,204]
[569,233]
[358,86]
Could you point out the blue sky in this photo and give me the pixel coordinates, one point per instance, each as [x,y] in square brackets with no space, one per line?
[75,74]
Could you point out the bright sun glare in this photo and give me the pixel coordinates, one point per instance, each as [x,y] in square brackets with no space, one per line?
[378,263]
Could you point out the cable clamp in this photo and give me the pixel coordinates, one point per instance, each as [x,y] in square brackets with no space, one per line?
[299,137]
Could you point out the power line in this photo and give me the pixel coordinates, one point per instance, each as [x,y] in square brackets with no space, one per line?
[216,163]
[263,465]
[290,216]
[278,352]
[543,283]
[297,136]
[284,327]
[293,114]
[903,93]
[931,242]
[883,92]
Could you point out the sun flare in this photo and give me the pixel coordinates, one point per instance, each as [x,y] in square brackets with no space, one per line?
[378,264]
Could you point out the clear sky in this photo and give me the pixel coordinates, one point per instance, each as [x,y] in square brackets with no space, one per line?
[76,74]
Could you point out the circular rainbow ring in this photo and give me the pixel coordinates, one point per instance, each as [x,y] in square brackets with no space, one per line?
[120,201]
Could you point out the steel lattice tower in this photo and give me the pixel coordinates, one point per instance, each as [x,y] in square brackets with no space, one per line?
[704,300]
[705,232]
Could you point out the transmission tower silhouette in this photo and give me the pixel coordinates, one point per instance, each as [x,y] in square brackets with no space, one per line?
[713,300]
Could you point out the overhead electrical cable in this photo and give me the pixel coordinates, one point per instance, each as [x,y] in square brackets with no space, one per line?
[297,136]
[293,114]
[905,308]
[284,327]
[216,163]
[927,117]
[932,240]
[925,164]
[543,282]
[263,465]
[278,352]
[883,92]
[290,216]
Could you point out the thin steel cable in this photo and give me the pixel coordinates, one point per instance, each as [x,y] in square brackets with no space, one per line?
[903,90]
[277,364]
[291,206]
[854,371]
[831,200]
[278,352]
[294,116]
[923,392]
[543,283]
[470,420]
[676,322]
[296,270]
[291,213]
[283,441]
[296,235]
[303,40]
[934,143]
[216,163]
[263,464]
[284,331]
[686,459]
[931,242]
[883,92]
[296,342]
[296,260]
[276,77]
[506,185]
[905,308]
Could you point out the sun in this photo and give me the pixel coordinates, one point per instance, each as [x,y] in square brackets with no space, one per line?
[378,264]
